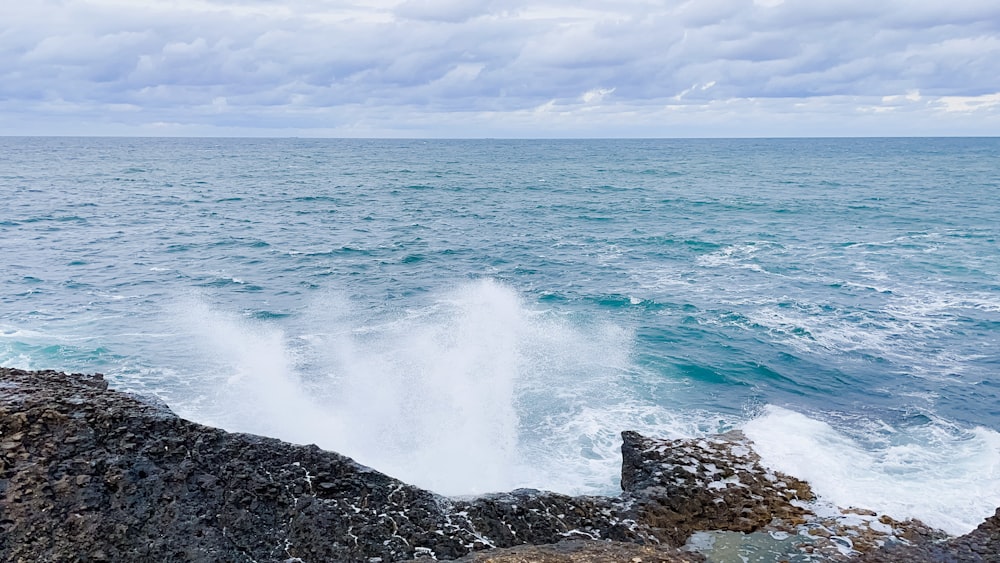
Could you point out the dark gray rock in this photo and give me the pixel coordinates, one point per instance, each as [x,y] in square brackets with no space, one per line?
[87,473]
[91,474]
[527,516]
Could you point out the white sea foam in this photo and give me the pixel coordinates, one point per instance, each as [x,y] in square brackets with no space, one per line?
[949,479]
[18,333]
[12,358]
[735,256]
[905,328]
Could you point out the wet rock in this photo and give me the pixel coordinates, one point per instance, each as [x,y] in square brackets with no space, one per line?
[585,551]
[88,473]
[716,483]
[982,545]
[87,470]
[540,517]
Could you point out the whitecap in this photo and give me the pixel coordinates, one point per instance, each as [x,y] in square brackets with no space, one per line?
[947,477]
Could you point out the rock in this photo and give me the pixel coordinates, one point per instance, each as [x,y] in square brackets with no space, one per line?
[88,473]
[87,470]
[716,483]
[540,517]
[982,545]
[585,551]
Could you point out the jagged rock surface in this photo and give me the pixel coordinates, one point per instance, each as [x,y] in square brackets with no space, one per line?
[717,483]
[91,474]
[982,545]
[584,551]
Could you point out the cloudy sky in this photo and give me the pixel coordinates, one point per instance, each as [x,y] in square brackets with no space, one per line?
[499,68]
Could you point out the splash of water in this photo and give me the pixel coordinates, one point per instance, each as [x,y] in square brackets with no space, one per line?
[249,382]
[472,394]
[478,392]
[430,396]
[947,478]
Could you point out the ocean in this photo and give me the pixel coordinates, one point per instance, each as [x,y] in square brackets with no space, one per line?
[480,315]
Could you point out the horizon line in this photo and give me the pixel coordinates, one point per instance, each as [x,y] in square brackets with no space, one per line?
[499,138]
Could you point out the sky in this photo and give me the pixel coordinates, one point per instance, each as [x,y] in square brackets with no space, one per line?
[495,68]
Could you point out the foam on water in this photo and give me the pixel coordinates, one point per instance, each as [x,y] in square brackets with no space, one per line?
[948,478]
[737,256]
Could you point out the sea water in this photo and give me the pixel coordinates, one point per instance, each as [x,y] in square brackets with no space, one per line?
[475,316]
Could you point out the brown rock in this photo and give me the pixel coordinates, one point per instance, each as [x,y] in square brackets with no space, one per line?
[982,545]
[583,551]
[716,483]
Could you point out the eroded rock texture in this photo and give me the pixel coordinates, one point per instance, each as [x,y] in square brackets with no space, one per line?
[982,545]
[585,551]
[91,474]
[717,483]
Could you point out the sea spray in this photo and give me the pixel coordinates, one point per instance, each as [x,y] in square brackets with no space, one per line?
[429,396]
[946,477]
[477,391]
[249,381]
[472,393]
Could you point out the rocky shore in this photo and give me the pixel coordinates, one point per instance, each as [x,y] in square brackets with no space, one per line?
[91,474]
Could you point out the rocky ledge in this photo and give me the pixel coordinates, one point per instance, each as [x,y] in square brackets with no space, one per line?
[91,474]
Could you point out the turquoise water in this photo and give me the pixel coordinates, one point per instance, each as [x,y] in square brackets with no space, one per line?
[478,315]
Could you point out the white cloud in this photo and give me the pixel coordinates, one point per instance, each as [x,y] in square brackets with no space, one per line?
[335,65]
[596,95]
[911,96]
[965,104]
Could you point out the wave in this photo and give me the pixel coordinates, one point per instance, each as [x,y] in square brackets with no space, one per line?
[945,476]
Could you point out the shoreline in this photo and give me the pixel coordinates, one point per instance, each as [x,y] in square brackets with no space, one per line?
[90,470]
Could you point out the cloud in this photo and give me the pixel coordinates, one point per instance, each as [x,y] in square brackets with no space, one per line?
[453,11]
[596,95]
[967,104]
[632,65]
